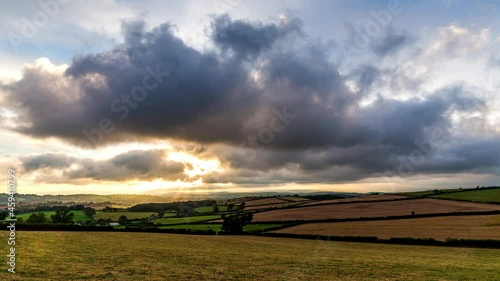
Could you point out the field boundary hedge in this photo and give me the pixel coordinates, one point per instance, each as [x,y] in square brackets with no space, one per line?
[468,243]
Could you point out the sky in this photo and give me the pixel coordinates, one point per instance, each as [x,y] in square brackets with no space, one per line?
[162,97]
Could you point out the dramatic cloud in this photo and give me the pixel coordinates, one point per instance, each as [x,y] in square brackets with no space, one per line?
[132,165]
[270,111]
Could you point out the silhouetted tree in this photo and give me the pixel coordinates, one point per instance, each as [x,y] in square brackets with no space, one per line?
[161,214]
[234,223]
[62,216]
[216,209]
[3,215]
[37,218]
[122,219]
[242,206]
[89,212]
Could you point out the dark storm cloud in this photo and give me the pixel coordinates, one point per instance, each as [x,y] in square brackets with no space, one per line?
[365,75]
[228,96]
[390,43]
[246,39]
[137,164]
[32,163]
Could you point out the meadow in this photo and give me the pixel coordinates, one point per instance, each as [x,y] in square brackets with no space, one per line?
[481,195]
[155,256]
[79,215]
[210,209]
[114,216]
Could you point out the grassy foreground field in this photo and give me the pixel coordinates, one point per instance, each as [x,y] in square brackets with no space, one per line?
[438,228]
[153,256]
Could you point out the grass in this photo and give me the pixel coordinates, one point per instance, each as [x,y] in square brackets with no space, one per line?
[480,195]
[114,216]
[186,219]
[79,215]
[210,209]
[438,228]
[154,256]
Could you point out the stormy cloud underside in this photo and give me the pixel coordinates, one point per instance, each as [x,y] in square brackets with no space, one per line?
[218,97]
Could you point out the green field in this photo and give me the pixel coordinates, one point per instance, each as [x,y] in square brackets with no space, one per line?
[480,195]
[185,219]
[79,215]
[210,209]
[114,216]
[155,256]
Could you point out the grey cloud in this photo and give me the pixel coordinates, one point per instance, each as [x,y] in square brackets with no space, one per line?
[137,164]
[391,42]
[51,160]
[494,61]
[212,99]
[248,40]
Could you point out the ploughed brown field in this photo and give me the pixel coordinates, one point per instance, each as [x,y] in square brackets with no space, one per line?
[358,199]
[265,201]
[372,209]
[295,198]
[439,228]
[279,205]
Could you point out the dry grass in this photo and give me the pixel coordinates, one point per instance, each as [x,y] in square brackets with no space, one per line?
[150,256]
[439,228]
[373,209]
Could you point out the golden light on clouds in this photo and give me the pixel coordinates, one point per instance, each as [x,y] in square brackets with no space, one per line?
[194,166]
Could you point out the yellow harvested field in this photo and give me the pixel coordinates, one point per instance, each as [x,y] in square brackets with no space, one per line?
[439,228]
[59,255]
[357,199]
[373,209]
